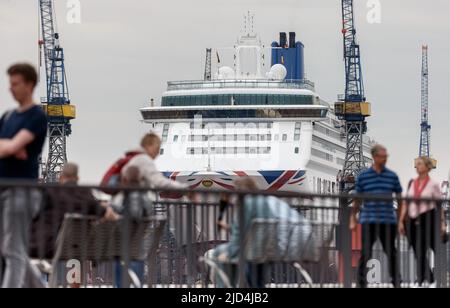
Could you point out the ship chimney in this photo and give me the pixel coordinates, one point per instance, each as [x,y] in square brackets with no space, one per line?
[283,40]
[291,39]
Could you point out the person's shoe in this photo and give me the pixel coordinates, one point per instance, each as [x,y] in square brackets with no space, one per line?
[432,286]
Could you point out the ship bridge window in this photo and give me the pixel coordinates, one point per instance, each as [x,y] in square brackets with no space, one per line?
[262,113]
[237,99]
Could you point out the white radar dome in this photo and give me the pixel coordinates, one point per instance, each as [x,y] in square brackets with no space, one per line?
[277,72]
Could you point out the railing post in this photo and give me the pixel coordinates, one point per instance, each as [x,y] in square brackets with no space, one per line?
[189,242]
[241,222]
[125,251]
[440,268]
[345,240]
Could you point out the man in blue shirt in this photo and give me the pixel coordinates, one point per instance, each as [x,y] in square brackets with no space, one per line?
[378,218]
[22,136]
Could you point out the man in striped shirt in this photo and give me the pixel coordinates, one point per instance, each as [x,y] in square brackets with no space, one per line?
[378,218]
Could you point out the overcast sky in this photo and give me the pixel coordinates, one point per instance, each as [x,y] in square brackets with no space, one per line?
[123,53]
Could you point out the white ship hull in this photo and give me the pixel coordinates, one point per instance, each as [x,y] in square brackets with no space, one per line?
[305,162]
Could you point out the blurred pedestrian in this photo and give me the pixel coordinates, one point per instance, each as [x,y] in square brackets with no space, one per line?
[22,136]
[418,219]
[378,218]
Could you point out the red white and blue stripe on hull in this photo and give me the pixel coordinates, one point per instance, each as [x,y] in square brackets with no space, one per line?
[275,180]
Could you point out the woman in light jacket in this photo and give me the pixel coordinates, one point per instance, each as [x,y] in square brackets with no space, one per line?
[418,219]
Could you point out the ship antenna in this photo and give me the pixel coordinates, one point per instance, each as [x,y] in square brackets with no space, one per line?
[246,21]
[249,24]
[252,24]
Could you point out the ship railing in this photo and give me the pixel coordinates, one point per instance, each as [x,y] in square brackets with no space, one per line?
[172,239]
[221,84]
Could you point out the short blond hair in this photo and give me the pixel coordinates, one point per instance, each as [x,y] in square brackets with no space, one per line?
[150,139]
[428,162]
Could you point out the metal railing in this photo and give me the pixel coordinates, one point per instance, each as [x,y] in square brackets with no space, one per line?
[283,240]
[222,84]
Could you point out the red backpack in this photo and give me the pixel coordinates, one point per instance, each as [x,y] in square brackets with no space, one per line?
[112,177]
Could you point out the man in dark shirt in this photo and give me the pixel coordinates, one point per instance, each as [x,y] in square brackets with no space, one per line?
[23,130]
[22,136]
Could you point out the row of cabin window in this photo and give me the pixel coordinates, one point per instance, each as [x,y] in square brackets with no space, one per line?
[235,137]
[325,187]
[322,155]
[237,99]
[327,131]
[235,150]
[247,137]
[263,125]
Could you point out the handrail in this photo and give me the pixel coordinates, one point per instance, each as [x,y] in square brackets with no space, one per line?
[258,83]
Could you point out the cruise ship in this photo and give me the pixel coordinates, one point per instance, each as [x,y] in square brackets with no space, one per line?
[244,121]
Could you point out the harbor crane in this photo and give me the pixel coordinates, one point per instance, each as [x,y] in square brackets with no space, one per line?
[57,104]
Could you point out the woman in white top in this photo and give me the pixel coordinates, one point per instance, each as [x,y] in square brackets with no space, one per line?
[418,219]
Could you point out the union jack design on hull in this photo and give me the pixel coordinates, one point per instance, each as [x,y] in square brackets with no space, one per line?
[276,180]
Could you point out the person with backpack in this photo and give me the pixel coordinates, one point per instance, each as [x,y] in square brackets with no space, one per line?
[22,136]
[418,219]
[144,161]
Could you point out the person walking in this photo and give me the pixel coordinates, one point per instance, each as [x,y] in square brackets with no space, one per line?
[378,218]
[150,176]
[22,136]
[418,219]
